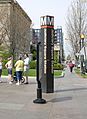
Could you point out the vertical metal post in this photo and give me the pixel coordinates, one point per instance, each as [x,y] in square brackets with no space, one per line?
[82,61]
[39,89]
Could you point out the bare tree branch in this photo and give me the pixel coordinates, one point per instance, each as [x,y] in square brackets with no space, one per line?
[76,23]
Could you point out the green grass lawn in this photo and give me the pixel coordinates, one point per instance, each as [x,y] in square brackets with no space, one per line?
[79,73]
[57,73]
[4,72]
[32,72]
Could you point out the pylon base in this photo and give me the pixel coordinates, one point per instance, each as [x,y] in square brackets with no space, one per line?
[39,101]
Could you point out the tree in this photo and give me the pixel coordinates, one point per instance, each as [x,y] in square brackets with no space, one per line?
[68,57]
[76,23]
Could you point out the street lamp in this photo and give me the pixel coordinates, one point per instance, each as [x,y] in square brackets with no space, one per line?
[83,56]
[82,45]
[39,99]
[82,41]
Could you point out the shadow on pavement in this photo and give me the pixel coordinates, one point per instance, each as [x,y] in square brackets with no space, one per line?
[60,99]
[73,89]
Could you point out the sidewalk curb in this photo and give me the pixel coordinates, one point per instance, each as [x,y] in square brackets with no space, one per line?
[28,77]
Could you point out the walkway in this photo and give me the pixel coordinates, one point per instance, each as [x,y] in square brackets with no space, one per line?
[69,101]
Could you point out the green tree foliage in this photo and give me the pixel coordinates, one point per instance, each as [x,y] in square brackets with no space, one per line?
[33,51]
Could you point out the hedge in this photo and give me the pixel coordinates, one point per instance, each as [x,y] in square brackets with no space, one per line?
[58,66]
[32,64]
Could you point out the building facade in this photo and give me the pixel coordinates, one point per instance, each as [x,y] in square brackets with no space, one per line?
[36,35]
[15,32]
[58,43]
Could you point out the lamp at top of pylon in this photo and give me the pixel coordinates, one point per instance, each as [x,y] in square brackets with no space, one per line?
[47,21]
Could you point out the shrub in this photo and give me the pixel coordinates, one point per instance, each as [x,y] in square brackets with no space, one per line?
[34,55]
[3,63]
[33,64]
[58,66]
[5,55]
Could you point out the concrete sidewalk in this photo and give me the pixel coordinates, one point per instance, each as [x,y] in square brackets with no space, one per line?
[69,101]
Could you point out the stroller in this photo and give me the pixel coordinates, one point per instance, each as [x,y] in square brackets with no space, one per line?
[15,78]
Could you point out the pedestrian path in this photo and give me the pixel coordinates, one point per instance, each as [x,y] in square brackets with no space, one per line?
[69,100]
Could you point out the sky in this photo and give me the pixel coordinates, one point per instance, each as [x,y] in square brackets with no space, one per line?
[37,8]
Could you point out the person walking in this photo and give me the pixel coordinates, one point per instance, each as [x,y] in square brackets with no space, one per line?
[9,66]
[71,65]
[19,70]
[0,68]
[73,61]
[26,68]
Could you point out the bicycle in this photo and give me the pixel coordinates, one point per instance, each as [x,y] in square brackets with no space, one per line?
[14,80]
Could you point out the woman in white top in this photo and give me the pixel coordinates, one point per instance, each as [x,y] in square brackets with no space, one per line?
[26,68]
[0,68]
[9,65]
